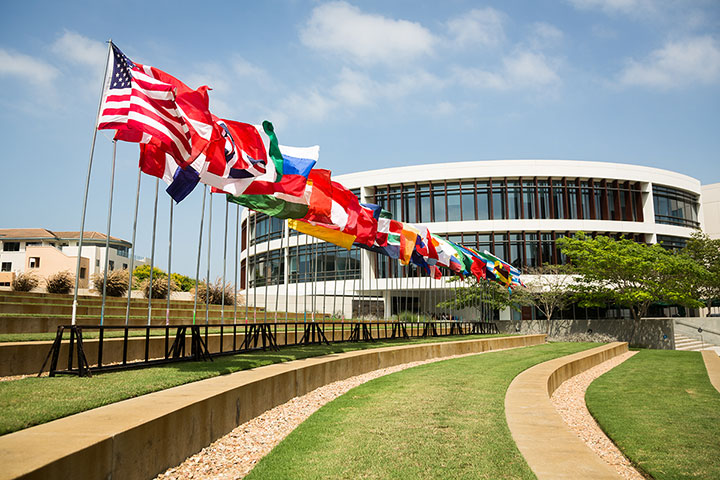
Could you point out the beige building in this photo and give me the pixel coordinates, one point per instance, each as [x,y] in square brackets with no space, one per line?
[45,252]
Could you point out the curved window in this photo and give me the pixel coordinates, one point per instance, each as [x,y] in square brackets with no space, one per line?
[675,207]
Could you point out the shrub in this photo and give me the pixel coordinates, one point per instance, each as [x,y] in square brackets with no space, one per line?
[183,282]
[117,282]
[159,287]
[215,292]
[61,282]
[24,282]
[142,273]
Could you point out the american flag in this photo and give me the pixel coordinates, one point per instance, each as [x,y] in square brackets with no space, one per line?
[136,100]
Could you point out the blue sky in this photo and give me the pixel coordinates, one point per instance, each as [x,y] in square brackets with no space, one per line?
[374,83]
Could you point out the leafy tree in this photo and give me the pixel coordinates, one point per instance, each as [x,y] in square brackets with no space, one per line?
[183,282]
[490,295]
[630,274]
[142,273]
[706,252]
[549,289]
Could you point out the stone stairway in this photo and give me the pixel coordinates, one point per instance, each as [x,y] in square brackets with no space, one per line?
[686,343]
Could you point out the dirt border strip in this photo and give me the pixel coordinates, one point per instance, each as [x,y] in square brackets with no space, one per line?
[712,364]
[141,437]
[551,450]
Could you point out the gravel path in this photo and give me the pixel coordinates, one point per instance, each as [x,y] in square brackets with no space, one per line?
[235,454]
[569,400]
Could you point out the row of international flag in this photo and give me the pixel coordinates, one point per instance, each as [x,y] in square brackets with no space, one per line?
[183,143]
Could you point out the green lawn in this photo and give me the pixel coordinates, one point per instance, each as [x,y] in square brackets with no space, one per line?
[441,420]
[661,410]
[31,401]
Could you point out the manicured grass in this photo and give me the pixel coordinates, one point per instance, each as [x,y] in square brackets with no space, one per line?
[662,411]
[441,420]
[31,401]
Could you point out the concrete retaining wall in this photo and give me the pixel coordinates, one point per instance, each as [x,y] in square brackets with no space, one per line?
[141,437]
[657,333]
[552,451]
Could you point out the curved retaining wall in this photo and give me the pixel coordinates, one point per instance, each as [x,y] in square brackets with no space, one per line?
[141,437]
[549,447]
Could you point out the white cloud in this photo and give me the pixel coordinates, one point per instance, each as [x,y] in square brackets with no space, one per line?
[483,27]
[312,106]
[690,61]
[342,29]
[81,50]
[632,7]
[543,35]
[530,69]
[522,69]
[26,67]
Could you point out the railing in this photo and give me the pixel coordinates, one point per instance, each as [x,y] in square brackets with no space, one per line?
[97,348]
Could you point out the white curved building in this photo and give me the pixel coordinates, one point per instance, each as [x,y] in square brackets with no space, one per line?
[516,209]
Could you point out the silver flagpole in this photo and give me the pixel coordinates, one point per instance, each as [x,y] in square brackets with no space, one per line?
[197,268]
[286,269]
[222,304]
[306,276]
[338,274]
[107,234]
[268,269]
[247,263]
[132,249]
[152,251]
[237,234]
[87,188]
[207,278]
[297,280]
[255,276]
[169,273]
[280,264]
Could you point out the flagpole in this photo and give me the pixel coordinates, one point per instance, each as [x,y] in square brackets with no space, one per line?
[87,189]
[107,235]
[335,283]
[297,280]
[235,287]
[169,273]
[222,304]
[132,248]
[197,268]
[308,249]
[247,263]
[277,285]
[255,278]
[207,278]
[286,269]
[152,251]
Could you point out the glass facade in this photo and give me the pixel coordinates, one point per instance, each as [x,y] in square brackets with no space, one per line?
[319,261]
[512,198]
[675,207]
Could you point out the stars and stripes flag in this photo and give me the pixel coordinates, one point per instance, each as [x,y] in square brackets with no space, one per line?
[136,101]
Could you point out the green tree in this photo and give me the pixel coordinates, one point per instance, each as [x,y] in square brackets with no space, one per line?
[142,273]
[488,295]
[630,274]
[706,252]
[183,282]
[549,289]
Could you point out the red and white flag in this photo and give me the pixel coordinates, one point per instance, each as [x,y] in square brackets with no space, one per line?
[137,102]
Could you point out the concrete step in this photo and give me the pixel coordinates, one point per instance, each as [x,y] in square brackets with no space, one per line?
[690,344]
